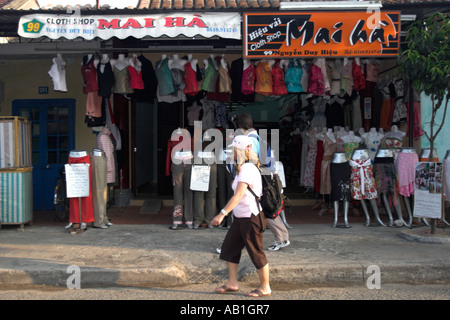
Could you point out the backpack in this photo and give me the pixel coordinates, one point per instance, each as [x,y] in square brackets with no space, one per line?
[272,199]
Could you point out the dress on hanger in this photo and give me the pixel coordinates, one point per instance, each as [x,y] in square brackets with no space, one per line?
[263,78]
[293,76]
[278,84]
[335,72]
[362,181]
[359,81]
[347,79]
[308,179]
[319,119]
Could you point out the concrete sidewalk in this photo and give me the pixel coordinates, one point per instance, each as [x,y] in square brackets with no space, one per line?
[153,255]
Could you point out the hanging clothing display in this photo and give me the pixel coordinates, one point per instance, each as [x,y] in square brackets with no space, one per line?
[211,76]
[105,144]
[293,76]
[164,76]
[150,81]
[263,83]
[190,78]
[248,78]
[278,84]
[134,69]
[122,83]
[105,78]
[58,74]
[308,179]
[89,73]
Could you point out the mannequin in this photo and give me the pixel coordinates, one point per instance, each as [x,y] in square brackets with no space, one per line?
[362,182]
[385,179]
[405,165]
[179,163]
[425,155]
[204,204]
[58,74]
[81,209]
[372,139]
[340,185]
[99,189]
[190,76]
[394,139]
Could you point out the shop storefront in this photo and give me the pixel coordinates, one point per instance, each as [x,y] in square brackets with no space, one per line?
[311,73]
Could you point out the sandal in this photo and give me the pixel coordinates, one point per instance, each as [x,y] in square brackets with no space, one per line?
[257,293]
[225,289]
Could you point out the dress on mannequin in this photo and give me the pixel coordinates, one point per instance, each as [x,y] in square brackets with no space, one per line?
[340,172]
[263,83]
[394,139]
[308,179]
[362,182]
[406,166]
[351,142]
[386,181]
[121,75]
[248,77]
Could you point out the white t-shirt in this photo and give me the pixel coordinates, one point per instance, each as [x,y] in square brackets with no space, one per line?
[249,174]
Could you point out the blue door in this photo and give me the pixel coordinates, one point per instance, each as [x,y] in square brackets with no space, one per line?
[53,136]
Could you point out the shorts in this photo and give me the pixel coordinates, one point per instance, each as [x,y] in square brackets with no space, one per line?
[245,232]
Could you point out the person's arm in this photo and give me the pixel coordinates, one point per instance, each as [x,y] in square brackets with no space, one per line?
[234,200]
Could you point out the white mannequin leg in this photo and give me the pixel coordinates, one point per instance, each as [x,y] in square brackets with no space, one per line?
[388,209]
[366,212]
[373,204]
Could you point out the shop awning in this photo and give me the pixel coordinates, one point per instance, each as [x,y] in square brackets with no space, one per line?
[89,27]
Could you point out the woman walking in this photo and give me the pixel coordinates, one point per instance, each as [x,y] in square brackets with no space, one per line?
[246,229]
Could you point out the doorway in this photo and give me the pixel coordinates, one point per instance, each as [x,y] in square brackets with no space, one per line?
[52,138]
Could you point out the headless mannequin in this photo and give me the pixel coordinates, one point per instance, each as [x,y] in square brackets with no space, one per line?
[135,63]
[339,157]
[120,63]
[389,153]
[363,154]
[407,201]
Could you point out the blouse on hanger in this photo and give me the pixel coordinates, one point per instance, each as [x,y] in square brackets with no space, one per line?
[293,76]
[278,85]
[190,80]
[315,80]
[263,78]
[248,79]
[359,81]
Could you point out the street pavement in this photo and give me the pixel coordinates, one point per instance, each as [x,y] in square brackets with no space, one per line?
[154,255]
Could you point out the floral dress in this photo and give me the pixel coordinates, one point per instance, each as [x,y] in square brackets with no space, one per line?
[349,147]
[362,181]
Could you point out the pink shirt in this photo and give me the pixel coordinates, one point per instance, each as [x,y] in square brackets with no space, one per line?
[249,174]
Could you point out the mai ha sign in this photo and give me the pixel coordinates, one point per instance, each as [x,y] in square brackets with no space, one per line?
[321,34]
[225,25]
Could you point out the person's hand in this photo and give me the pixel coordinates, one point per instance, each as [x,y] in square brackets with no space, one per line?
[217,220]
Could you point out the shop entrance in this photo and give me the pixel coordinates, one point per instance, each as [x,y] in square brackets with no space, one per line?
[53,136]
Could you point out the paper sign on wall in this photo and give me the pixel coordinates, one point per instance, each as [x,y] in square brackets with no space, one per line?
[428,190]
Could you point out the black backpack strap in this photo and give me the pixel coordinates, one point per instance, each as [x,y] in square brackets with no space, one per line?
[257,199]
